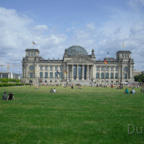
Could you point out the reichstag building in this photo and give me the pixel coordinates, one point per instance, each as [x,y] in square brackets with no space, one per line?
[77,66]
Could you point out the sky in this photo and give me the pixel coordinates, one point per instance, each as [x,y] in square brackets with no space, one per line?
[54,25]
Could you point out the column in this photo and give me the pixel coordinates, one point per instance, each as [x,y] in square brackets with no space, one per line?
[109,72]
[53,73]
[36,71]
[48,72]
[77,73]
[87,72]
[122,76]
[99,72]
[26,70]
[119,70]
[94,72]
[104,74]
[130,72]
[72,71]
[23,71]
[64,73]
[82,71]
[67,71]
[114,72]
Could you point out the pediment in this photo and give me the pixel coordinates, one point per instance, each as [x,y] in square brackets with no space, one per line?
[80,59]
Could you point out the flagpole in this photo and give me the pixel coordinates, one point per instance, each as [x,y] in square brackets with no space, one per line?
[32,44]
[123,45]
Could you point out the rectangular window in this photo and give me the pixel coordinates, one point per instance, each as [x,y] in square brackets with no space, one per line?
[111,68]
[97,75]
[97,68]
[61,75]
[51,68]
[116,75]
[46,74]
[31,75]
[56,68]
[40,67]
[46,68]
[106,68]
[102,75]
[107,75]
[125,76]
[61,68]
[111,75]
[116,68]
[101,68]
[56,75]
[41,74]
[51,74]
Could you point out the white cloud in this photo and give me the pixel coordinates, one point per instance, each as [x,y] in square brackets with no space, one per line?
[136,4]
[91,26]
[17,33]
[110,37]
[41,28]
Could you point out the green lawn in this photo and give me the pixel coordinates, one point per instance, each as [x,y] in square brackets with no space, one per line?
[71,116]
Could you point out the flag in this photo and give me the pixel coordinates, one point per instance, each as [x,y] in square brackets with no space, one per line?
[105,61]
[33,43]
[58,72]
[65,72]
[123,44]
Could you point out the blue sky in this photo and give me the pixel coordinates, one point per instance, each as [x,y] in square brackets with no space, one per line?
[102,25]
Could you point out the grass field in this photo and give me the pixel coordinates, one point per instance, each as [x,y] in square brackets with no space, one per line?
[71,116]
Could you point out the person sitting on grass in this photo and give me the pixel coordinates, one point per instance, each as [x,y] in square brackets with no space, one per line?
[126,91]
[10,96]
[133,91]
[54,90]
[51,90]
[36,87]
[4,97]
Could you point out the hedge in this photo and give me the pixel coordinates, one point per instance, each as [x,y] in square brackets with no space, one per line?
[12,84]
[6,80]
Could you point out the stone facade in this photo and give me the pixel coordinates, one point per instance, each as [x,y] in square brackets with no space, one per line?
[77,67]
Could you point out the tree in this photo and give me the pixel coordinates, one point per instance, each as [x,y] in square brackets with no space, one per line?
[139,78]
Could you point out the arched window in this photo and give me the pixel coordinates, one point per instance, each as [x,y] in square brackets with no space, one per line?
[31,67]
[102,75]
[97,75]
[111,75]
[41,74]
[51,74]
[56,75]
[106,75]
[46,74]
[125,68]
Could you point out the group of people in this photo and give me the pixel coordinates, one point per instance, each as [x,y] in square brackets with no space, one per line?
[53,90]
[9,97]
[127,91]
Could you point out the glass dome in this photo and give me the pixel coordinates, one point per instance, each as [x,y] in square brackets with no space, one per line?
[76,50]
